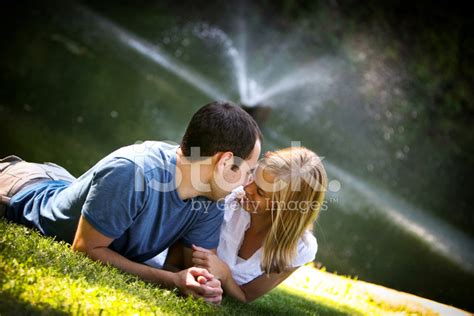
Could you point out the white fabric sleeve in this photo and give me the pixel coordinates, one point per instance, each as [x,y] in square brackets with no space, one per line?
[307,249]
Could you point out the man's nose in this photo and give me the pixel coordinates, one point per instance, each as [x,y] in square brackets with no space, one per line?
[249,180]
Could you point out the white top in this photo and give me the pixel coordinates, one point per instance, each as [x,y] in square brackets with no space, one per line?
[236,222]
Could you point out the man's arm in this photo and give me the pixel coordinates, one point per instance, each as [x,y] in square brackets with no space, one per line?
[95,245]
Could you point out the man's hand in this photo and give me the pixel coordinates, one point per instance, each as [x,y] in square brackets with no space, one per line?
[213,283]
[208,287]
[204,258]
[95,245]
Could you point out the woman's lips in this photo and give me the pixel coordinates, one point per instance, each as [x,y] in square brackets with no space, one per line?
[244,200]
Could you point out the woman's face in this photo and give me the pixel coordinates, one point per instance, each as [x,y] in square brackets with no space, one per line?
[256,199]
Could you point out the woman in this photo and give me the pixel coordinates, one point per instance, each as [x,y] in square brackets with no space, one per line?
[266,233]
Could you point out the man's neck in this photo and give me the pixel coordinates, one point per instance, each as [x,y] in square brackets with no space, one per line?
[186,188]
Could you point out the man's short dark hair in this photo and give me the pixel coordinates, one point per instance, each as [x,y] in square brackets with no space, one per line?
[220,127]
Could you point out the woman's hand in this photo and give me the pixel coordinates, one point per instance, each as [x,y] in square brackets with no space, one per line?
[204,258]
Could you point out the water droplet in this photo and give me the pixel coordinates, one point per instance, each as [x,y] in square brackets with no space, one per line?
[347,252]
[80,119]
[370,167]
[361,56]
[27,108]
[114,114]
[334,186]
[399,154]
[406,149]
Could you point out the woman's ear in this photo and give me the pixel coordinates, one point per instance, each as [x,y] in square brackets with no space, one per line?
[216,158]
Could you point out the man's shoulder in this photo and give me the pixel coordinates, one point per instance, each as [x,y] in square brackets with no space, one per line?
[164,150]
[137,160]
[148,155]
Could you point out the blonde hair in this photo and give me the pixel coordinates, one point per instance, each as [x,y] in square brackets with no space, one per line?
[300,180]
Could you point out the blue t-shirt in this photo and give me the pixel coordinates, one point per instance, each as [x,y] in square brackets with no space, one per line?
[129,196]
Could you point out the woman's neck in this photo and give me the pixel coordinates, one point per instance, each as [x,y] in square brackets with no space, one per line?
[255,235]
[260,223]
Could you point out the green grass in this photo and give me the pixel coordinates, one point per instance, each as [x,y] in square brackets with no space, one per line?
[41,276]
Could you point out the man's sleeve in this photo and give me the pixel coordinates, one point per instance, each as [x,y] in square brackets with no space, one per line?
[206,231]
[112,203]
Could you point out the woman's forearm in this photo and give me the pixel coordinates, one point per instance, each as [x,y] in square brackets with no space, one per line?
[255,288]
[231,288]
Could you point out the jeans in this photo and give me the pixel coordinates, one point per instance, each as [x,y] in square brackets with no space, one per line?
[17,174]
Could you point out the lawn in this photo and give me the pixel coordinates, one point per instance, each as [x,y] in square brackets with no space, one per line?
[41,276]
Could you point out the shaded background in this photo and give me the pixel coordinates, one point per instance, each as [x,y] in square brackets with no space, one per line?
[382,90]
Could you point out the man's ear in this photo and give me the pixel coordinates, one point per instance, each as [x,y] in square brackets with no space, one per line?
[224,159]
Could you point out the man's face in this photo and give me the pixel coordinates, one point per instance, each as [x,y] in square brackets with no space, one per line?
[235,173]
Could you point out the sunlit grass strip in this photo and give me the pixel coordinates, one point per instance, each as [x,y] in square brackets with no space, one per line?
[319,285]
[313,284]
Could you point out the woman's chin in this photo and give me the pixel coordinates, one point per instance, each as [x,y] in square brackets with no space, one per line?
[245,204]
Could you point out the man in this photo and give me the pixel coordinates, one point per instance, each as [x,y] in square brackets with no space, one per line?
[141,199]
